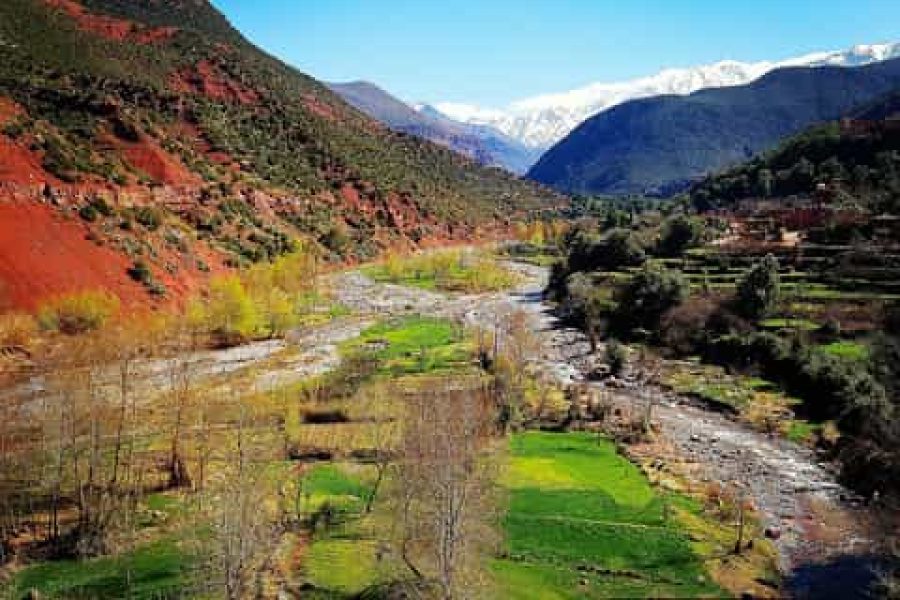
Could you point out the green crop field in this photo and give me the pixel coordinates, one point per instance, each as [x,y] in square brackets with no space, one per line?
[414,345]
[152,571]
[847,349]
[584,522]
[340,561]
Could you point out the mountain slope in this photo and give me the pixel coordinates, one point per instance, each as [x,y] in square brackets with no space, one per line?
[484,144]
[544,120]
[655,145]
[856,159]
[154,129]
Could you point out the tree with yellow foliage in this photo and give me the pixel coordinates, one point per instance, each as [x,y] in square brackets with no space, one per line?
[231,314]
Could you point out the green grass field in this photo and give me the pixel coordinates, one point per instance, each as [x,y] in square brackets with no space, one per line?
[415,345]
[155,571]
[847,349]
[583,522]
[793,324]
[341,560]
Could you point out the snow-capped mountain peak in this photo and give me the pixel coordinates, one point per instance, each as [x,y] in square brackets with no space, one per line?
[541,121]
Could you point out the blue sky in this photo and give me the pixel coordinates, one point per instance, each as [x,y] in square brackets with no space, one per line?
[490,52]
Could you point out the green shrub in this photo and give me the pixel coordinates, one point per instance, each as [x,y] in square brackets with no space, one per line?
[88,213]
[652,292]
[617,249]
[758,291]
[13,130]
[149,217]
[140,272]
[679,234]
[156,288]
[337,239]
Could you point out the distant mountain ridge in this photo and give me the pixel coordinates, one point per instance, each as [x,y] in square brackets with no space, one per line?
[541,121]
[484,144]
[658,145]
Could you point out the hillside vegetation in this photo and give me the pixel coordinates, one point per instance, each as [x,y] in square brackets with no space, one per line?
[657,145]
[857,159]
[166,106]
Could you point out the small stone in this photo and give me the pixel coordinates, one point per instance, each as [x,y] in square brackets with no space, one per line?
[773,533]
[584,581]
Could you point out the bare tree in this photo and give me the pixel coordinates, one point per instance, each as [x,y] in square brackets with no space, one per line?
[245,531]
[513,346]
[444,494]
[181,394]
[383,433]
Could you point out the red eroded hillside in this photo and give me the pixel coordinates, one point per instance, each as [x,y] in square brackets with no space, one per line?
[146,145]
[20,165]
[43,254]
[206,79]
[110,27]
[146,157]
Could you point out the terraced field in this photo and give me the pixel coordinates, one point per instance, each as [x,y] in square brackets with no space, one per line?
[583,522]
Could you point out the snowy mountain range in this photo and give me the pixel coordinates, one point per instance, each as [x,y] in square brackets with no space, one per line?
[541,121]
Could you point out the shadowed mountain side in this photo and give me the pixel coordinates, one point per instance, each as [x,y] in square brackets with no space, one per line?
[658,145]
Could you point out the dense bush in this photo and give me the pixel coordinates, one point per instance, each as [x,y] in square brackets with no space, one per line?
[149,217]
[759,289]
[616,249]
[680,233]
[831,387]
[688,327]
[652,292]
[585,305]
[140,272]
[88,213]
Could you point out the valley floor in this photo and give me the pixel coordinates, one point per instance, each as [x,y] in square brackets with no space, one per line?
[813,521]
